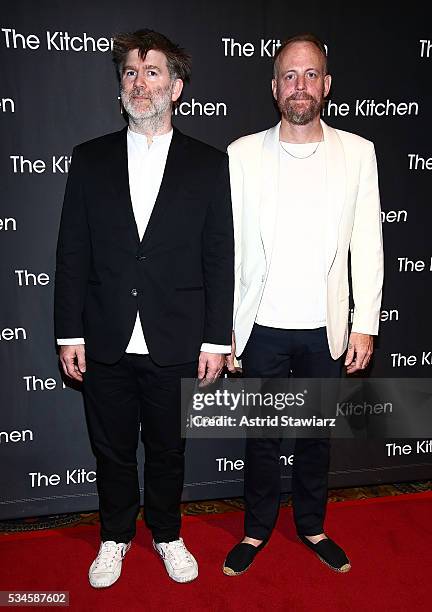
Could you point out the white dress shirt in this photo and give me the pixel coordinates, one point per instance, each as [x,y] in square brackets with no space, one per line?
[294,296]
[146,166]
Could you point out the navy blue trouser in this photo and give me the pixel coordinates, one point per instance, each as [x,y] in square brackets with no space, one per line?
[281,353]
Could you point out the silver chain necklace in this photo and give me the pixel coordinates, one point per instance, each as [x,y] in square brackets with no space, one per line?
[300,157]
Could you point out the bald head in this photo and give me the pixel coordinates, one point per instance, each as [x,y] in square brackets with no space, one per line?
[316,43]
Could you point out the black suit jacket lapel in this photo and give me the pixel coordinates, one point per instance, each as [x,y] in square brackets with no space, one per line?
[175,168]
[119,172]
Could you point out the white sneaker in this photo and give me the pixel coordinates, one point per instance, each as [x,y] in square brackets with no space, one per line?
[180,564]
[106,568]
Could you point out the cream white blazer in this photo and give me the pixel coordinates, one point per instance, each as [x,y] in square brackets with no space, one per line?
[353,224]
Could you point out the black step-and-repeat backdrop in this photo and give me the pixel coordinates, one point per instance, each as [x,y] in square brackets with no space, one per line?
[58,88]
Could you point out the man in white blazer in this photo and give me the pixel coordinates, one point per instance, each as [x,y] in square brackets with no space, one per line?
[305,196]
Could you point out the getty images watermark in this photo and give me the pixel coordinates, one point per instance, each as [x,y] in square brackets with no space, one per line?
[308,408]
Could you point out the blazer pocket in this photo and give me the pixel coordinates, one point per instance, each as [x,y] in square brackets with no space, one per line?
[94,282]
[198,288]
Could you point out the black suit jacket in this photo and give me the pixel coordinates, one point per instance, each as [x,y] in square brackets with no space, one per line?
[180,276]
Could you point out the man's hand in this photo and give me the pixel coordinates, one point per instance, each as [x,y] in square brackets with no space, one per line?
[229,359]
[360,349]
[210,366]
[72,358]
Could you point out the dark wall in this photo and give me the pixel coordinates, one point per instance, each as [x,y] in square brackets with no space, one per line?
[52,98]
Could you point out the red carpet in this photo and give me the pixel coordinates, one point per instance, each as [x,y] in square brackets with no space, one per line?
[388,540]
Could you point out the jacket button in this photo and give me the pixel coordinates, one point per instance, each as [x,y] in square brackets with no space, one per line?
[134,292]
[141,257]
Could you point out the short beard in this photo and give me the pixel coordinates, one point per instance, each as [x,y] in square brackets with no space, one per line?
[150,119]
[300,117]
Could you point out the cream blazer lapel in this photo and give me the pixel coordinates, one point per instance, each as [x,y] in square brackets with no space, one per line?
[269,190]
[336,178]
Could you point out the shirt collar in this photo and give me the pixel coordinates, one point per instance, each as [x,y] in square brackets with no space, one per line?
[141,139]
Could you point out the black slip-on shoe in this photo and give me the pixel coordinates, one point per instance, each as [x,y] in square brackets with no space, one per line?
[329,553]
[240,558]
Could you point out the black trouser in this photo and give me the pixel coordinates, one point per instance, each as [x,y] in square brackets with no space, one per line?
[118,398]
[280,353]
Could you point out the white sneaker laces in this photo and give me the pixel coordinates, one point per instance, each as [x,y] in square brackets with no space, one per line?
[108,554]
[177,554]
